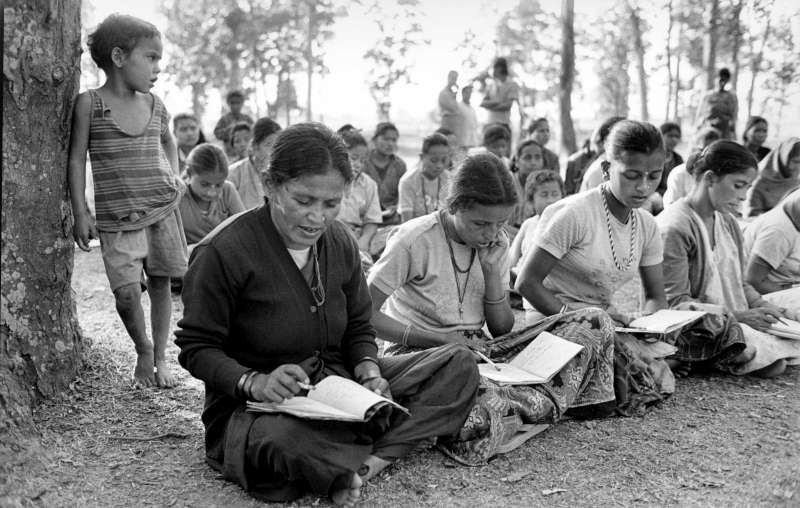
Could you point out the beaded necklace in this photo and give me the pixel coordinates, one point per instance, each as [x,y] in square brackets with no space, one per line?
[633,222]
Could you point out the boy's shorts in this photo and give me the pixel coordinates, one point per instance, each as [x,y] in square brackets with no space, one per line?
[158,249]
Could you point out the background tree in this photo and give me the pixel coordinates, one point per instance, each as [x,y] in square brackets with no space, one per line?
[762,10]
[40,341]
[710,44]
[530,37]
[609,39]
[638,26]
[568,144]
[391,54]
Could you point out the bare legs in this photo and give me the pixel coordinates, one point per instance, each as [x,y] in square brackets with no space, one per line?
[151,368]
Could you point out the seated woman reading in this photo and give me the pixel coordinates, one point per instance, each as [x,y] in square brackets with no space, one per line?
[443,276]
[773,243]
[275,297]
[704,264]
[589,245]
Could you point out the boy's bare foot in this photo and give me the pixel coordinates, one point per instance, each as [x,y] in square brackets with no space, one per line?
[772,370]
[143,375]
[164,376]
[346,490]
[372,466]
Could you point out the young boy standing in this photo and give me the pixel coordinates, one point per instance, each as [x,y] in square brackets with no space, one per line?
[125,129]
[235,100]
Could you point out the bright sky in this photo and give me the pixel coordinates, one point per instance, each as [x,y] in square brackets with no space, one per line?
[342,95]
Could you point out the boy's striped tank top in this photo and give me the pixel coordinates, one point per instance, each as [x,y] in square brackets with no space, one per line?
[134,185]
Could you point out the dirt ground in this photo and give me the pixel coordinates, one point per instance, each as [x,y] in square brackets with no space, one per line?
[719,441]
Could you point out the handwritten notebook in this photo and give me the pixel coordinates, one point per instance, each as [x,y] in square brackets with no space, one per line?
[333,398]
[663,321]
[788,329]
[536,364]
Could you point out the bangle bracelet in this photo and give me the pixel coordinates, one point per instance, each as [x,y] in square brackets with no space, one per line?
[563,309]
[406,333]
[248,384]
[366,379]
[486,301]
[240,383]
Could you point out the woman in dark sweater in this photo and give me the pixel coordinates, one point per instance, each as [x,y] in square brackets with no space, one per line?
[276,297]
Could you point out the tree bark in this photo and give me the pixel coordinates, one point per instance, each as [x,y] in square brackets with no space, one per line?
[669,60]
[677,88]
[40,341]
[568,144]
[310,56]
[710,46]
[756,64]
[198,100]
[737,43]
[638,46]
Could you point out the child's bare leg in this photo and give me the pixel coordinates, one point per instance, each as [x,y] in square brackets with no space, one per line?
[160,314]
[346,490]
[129,307]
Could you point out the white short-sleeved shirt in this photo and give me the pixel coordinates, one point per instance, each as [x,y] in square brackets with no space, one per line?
[360,203]
[416,272]
[772,237]
[419,195]
[574,231]
[594,175]
[680,184]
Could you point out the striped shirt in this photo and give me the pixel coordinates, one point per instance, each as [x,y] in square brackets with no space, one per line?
[134,185]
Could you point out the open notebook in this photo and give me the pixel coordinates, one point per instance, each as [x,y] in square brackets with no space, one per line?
[663,321]
[786,328]
[536,364]
[333,398]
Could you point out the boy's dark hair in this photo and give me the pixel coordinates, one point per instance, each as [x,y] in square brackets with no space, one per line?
[501,64]
[263,128]
[352,138]
[495,132]
[118,31]
[346,128]
[481,179]
[725,73]
[234,94]
[668,127]
[307,149]
[444,131]
[239,126]
[435,139]
[382,127]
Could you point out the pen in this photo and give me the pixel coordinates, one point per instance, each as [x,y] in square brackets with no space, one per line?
[486,359]
[305,386]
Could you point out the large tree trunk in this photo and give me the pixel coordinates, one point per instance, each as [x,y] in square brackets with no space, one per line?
[736,23]
[638,46]
[568,144]
[40,341]
[312,14]
[198,100]
[678,52]
[669,60]
[756,63]
[710,45]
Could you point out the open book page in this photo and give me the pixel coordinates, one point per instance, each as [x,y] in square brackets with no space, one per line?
[663,321]
[333,398]
[786,328]
[536,364]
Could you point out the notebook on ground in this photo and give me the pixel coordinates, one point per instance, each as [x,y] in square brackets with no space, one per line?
[662,321]
[333,398]
[786,328]
[536,364]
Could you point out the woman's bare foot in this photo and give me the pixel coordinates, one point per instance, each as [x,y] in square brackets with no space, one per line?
[679,368]
[163,375]
[346,490]
[372,466]
[143,375]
